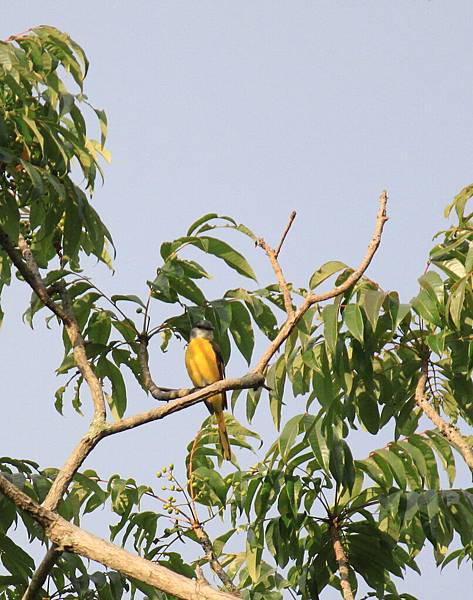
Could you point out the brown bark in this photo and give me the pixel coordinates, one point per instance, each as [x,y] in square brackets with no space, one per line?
[68,537]
[341,558]
[447,429]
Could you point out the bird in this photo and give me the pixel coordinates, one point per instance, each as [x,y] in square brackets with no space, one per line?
[205,365]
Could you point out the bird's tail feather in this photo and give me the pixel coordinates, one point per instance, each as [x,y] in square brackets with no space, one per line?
[223,435]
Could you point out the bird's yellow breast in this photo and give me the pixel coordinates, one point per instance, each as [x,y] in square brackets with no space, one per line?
[202,362]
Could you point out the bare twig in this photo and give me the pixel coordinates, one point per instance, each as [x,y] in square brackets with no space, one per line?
[210,555]
[74,539]
[273,259]
[279,275]
[341,558]
[311,299]
[292,216]
[447,429]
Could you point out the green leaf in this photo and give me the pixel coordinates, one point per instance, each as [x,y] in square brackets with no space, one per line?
[426,308]
[469,258]
[72,229]
[368,411]
[372,301]
[187,288]
[254,551]
[337,460]
[455,302]
[330,319]
[229,255]
[288,435]
[128,298]
[276,378]
[459,202]
[241,330]
[205,219]
[354,321]
[325,271]
[432,282]
[318,442]
[403,311]
[10,216]
[117,400]
[34,174]
[212,480]
[436,342]
[397,466]
[444,452]
[59,395]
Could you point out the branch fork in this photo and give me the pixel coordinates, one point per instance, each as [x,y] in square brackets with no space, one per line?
[65,535]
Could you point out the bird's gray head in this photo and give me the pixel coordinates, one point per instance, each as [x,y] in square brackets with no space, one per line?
[203,329]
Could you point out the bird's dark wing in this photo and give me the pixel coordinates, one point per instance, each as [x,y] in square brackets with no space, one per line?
[221,368]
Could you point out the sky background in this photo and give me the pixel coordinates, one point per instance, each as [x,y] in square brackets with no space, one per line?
[252,109]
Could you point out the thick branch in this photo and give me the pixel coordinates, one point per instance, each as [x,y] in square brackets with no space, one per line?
[447,429]
[73,539]
[74,461]
[311,299]
[341,558]
[57,490]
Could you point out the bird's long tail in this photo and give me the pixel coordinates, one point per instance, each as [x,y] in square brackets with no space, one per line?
[223,435]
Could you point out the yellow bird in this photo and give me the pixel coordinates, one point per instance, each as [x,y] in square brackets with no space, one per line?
[204,363]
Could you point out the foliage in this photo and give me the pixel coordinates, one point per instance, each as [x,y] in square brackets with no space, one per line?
[350,364]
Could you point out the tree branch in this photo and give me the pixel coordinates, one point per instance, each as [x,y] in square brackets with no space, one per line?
[341,558]
[210,555]
[157,392]
[311,298]
[31,276]
[178,399]
[250,380]
[27,266]
[80,357]
[73,539]
[25,263]
[447,429]
[292,216]
[273,259]
[41,573]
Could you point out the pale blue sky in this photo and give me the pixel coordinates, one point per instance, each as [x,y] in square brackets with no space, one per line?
[254,109]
